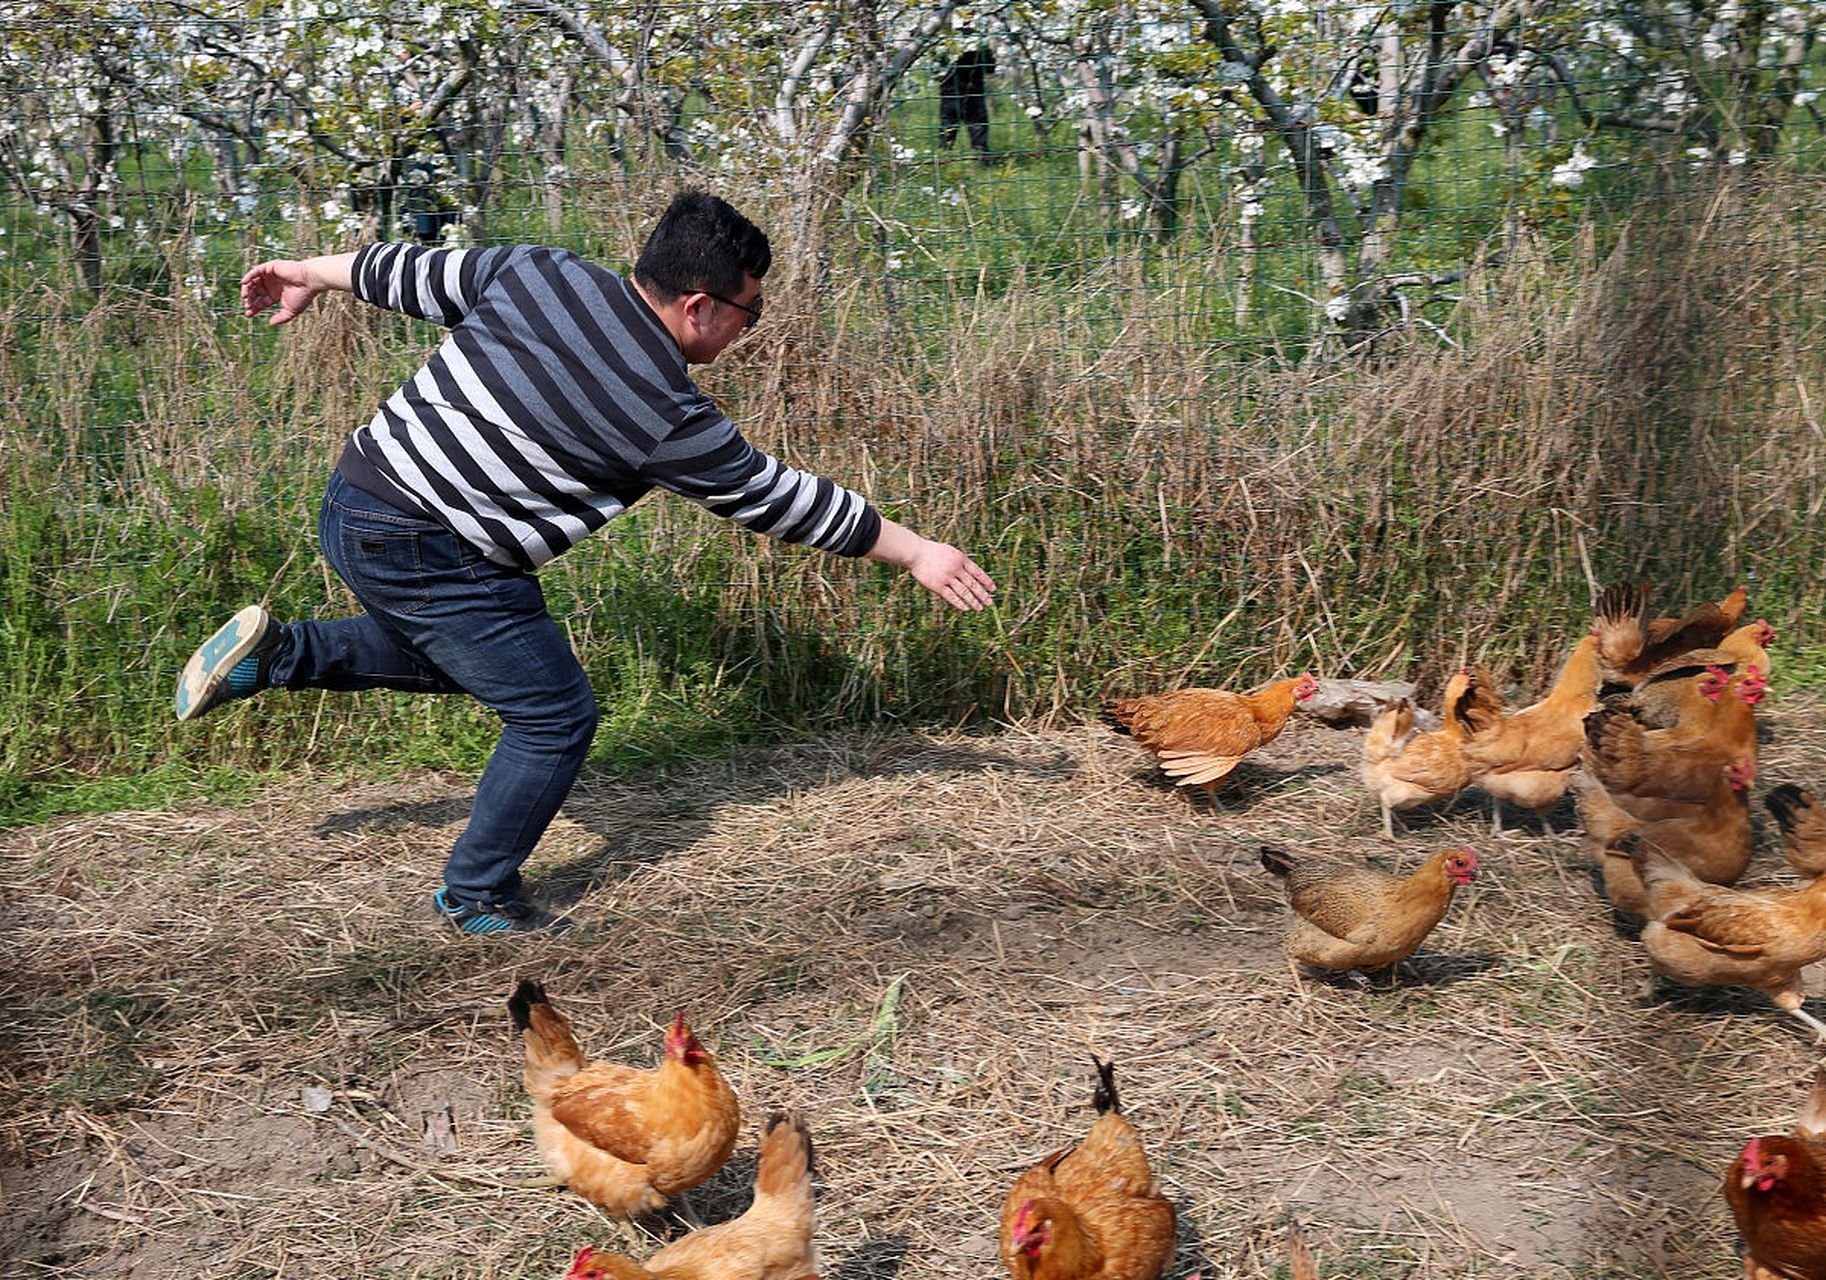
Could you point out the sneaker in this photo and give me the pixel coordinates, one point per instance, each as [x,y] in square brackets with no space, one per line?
[496,917]
[232,663]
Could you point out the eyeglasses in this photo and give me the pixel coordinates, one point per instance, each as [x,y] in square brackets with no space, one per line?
[754,313]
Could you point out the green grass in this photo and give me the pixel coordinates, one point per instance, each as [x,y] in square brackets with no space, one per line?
[1013,366]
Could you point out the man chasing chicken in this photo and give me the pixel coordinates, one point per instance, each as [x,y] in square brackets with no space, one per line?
[558,400]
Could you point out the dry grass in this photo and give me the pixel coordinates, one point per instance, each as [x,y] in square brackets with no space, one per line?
[917,940]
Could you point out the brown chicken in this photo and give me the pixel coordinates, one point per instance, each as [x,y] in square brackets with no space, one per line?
[1405,769]
[1528,757]
[1093,1211]
[1631,644]
[1680,763]
[1705,935]
[1777,1192]
[1711,839]
[1666,694]
[1200,735]
[622,1137]
[1347,917]
[771,1241]
[1803,824]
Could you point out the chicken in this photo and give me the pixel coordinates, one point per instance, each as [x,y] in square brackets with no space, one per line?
[1404,769]
[1705,935]
[1200,735]
[1093,1211]
[1527,758]
[1349,917]
[1680,763]
[771,1241]
[621,1137]
[1803,824]
[1712,839]
[1665,694]
[1631,645]
[1777,1192]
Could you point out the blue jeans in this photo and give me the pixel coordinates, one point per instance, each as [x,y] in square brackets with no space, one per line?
[443,618]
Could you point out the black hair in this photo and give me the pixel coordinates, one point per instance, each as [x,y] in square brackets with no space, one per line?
[701,243]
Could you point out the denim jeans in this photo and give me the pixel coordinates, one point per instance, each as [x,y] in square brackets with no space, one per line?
[443,618]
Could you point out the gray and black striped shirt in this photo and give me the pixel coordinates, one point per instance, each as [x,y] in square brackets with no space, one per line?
[557,402]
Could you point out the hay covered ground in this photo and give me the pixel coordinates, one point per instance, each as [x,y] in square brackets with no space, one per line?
[235,1046]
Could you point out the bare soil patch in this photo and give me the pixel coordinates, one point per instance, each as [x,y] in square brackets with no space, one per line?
[236,1045]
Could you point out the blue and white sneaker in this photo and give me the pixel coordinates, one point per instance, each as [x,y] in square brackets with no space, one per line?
[232,663]
[496,917]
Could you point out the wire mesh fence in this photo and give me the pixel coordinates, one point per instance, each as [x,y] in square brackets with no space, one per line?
[1229,337]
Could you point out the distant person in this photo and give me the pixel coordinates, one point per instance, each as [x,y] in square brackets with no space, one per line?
[559,399]
[963,98]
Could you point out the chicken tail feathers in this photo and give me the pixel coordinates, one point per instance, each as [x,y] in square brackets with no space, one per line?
[1278,861]
[1116,714]
[1789,805]
[786,1157]
[521,1002]
[1812,1121]
[1299,1257]
[1104,1097]
[1623,602]
[551,1049]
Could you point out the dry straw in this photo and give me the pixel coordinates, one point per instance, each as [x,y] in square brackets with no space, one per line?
[234,1046]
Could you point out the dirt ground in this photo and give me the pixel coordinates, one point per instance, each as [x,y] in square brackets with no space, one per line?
[235,1044]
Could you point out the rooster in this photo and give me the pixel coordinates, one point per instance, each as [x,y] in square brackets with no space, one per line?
[771,1241]
[1777,1192]
[621,1137]
[1200,735]
[1705,935]
[1349,917]
[1093,1211]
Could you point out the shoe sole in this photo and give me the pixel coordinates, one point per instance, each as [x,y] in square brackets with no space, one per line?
[215,658]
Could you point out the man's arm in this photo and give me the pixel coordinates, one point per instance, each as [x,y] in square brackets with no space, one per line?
[939,567]
[294,284]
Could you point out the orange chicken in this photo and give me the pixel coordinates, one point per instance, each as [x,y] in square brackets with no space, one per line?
[771,1241]
[1093,1211]
[1631,644]
[1777,1192]
[1666,694]
[1200,735]
[1679,763]
[1527,758]
[622,1137]
[1712,839]
[1347,917]
[1705,935]
[1405,769]
[1803,824]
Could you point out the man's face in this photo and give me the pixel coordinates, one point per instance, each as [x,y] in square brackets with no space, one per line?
[713,321]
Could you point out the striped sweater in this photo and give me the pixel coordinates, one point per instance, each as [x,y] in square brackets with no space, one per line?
[557,401]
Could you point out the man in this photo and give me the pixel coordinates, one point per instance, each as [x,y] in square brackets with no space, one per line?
[559,398]
[963,98]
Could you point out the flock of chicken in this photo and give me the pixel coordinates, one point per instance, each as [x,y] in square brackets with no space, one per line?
[1651,725]
[628,1139]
